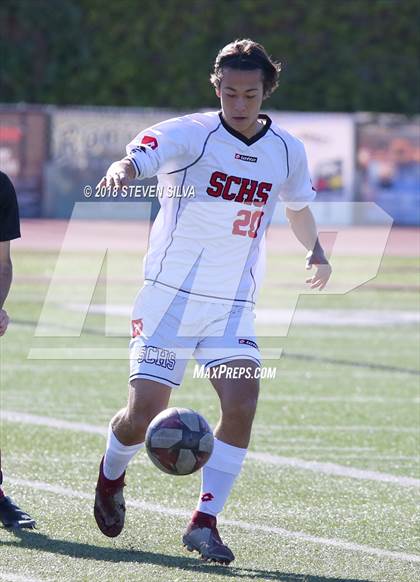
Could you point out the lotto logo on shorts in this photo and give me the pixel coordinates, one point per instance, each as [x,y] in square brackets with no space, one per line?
[158,356]
[248,342]
[207,497]
[150,141]
[136,327]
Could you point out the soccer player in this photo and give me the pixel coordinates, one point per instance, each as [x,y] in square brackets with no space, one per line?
[10,514]
[202,269]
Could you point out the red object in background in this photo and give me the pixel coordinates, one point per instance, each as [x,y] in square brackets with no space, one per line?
[10,134]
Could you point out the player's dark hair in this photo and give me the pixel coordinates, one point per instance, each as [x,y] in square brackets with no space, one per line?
[247,55]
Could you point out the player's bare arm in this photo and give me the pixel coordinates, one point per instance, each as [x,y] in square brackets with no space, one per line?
[6,272]
[304,228]
[118,175]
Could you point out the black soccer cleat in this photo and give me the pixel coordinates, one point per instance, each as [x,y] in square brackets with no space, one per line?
[202,536]
[12,516]
[109,508]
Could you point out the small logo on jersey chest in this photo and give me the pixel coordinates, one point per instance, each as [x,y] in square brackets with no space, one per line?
[245,158]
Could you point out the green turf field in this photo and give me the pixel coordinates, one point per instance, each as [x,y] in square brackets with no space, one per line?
[329,491]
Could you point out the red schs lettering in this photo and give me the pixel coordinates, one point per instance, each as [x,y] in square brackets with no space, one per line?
[261,196]
[231,180]
[247,191]
[217,180]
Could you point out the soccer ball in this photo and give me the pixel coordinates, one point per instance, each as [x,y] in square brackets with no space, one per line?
[179,441]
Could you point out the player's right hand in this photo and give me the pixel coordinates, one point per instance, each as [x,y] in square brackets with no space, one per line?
[4,321]
[118,175]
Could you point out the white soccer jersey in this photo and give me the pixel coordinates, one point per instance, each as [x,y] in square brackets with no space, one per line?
[209,246]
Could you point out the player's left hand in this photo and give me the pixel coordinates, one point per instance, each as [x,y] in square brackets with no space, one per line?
[320,278]
[4,321]
[118,175]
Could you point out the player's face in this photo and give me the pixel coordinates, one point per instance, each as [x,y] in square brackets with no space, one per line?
[241,95]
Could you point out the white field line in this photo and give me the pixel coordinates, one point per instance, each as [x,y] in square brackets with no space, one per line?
[327,449]
[335,427]
[334,469]
[49,422]
[399,458]
[339,399]
[350,452]
[85,427]
[315,466]
[9,577]
[182,513]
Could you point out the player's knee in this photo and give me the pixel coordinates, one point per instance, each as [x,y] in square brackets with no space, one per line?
[135,425]
[140,414]
[139,417]
[240,411]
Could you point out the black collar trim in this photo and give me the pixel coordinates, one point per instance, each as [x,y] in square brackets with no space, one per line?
[248,141]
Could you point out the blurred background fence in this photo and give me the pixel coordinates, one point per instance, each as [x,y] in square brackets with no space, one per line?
[51,153]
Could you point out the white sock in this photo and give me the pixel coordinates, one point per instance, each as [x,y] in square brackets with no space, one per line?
[117,456]
[218,476]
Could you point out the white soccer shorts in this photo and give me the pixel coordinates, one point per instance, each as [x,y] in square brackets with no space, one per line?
[168,330]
